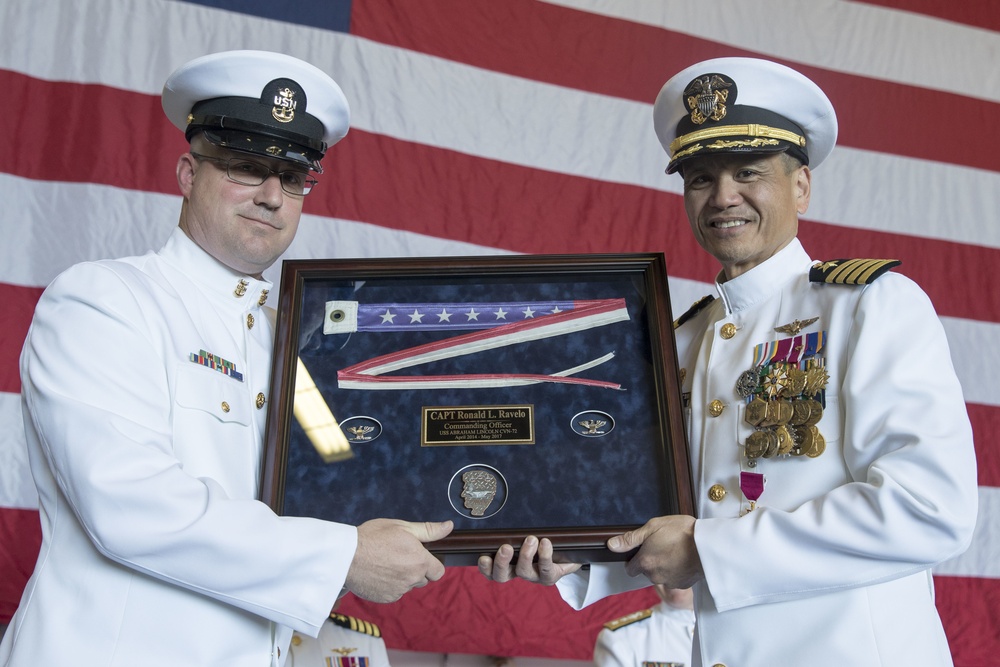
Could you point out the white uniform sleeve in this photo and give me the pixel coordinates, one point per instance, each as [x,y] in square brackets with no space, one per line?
[587,586]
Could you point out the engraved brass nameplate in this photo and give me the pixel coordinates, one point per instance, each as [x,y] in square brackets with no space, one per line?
[477,425]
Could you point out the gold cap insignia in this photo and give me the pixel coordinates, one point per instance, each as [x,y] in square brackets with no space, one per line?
[284,105]
[706,97]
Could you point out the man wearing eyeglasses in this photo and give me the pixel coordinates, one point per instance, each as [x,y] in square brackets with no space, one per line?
[144,382]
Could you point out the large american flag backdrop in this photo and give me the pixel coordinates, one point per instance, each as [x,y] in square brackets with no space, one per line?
[517,126]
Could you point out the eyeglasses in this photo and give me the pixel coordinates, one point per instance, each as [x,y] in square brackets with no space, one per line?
[247,172]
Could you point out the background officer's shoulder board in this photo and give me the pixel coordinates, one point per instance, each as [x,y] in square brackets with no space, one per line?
[850,271]
[694,310]
[356,624]
[634,617]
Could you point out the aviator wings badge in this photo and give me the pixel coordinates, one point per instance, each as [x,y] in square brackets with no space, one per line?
[793,328]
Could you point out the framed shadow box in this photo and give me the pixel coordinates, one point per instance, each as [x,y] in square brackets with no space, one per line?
[515,395]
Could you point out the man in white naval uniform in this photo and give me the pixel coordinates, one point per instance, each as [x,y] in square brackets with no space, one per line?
[831,450]
[343,641]
[144,382]
[656,637]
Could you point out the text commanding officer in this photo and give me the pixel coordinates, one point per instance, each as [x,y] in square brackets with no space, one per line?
[830,445]
[144,382]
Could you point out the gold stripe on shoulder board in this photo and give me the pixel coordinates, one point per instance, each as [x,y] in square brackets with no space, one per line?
[629,619]
[850,271]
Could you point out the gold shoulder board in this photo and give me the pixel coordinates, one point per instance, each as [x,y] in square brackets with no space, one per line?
[634,617]
[694,310]
[850,271]
[356,624]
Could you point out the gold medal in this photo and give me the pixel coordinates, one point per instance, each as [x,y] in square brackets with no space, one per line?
[770,414]
[796,381]
[756,411]
[815,412]
[785,440]
[785,411]
[816,380]
[777,412]
[772,444]
[756,444]
[800,412]
[803,441]
[818,444]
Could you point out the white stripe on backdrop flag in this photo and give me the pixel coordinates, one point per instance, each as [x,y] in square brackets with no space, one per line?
[517,126]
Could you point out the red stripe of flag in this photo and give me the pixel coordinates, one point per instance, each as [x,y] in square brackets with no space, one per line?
[528,39]
[21,536]
[968,610]
[19,307]
[985,425]
[452,195]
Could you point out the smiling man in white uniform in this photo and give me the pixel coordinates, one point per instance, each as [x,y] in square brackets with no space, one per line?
[831,450]
[144,382]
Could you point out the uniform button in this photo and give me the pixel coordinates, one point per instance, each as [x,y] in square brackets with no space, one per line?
[716,407]
[296,640]
[716,493]
[249,320]
[260,400]
[225,406]
[728,330]
[718,664]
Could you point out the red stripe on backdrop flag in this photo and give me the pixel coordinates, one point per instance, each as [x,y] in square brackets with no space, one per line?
[19,304]
[632,61]
[985,421]
[968,606]
[20,537]
[78,131]
[448,194]
[92,125]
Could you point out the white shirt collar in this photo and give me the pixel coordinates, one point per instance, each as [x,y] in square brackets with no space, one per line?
[217,279]
[762,281]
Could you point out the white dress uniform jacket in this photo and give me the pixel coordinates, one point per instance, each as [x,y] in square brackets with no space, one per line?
[659,638]
[155,551]
[340,646]
[832,568]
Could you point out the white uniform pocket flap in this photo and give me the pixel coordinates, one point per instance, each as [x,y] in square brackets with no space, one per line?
[221,396]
